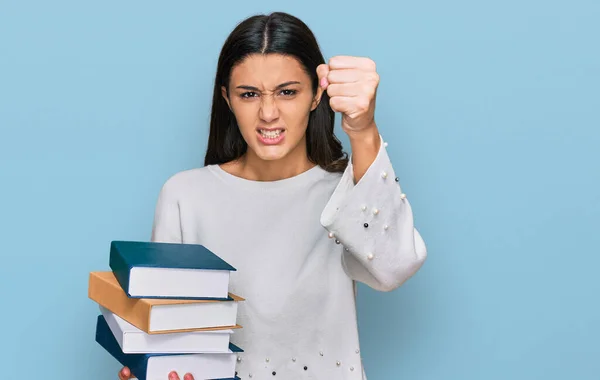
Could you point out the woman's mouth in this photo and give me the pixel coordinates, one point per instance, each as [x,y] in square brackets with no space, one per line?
[271,136]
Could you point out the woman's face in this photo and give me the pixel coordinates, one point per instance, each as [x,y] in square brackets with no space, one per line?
[271,97]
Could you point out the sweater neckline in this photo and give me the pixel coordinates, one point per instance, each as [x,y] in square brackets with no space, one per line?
[308,176]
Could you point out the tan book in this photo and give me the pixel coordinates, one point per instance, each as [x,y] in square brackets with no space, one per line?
[160,316]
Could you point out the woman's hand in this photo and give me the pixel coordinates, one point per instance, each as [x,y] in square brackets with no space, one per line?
[125,374]
[351,83]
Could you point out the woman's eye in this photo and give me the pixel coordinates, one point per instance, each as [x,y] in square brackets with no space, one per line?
[288,92]
[248,94]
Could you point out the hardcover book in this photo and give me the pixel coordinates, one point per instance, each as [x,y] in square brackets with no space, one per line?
[169,270]
[158,366]
[156,315]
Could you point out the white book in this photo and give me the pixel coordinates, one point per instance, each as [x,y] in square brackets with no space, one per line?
[133,340]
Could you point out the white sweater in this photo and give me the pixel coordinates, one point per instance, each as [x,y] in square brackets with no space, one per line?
[298,245]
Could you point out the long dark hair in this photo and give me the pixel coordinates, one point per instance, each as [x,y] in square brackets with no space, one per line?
[279,33]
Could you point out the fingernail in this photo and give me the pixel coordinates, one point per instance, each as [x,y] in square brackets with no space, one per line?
[187,377]
[173,375]
[323,82]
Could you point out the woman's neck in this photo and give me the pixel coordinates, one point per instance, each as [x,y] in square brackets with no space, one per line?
[253,168]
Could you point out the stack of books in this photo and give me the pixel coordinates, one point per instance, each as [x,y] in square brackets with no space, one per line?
[167,307]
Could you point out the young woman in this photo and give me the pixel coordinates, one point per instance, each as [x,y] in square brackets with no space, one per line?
[280,201]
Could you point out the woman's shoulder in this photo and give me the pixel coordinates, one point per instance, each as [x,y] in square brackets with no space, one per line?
[189,180]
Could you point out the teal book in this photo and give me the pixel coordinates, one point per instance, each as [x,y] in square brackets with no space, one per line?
[169,270]
[217,366]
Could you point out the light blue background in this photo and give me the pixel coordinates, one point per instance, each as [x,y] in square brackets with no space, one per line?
[492,113]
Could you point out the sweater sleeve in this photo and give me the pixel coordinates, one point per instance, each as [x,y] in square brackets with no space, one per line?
[373,221]
[166,227]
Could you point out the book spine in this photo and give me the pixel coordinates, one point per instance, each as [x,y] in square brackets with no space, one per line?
[137,363]
[120,268]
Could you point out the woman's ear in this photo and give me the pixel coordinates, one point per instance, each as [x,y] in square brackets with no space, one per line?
[317,98]
[224,93]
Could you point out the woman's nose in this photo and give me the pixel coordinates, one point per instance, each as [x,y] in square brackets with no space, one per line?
[268,109]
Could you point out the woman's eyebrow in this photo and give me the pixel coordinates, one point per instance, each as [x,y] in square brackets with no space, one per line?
[252,88]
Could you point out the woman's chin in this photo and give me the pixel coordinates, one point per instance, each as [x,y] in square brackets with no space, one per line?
[272,153]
